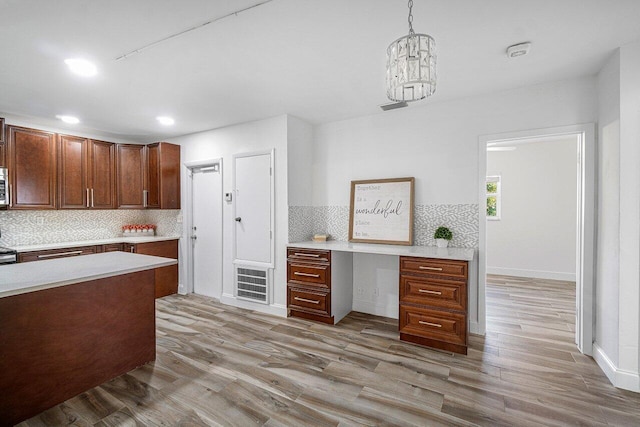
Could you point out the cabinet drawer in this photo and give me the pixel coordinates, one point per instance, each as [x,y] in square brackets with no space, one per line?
[308,255]
[434,324]
[309,300]
[113,247]
[55,253]
[309,274]
[435,292]
[439,267]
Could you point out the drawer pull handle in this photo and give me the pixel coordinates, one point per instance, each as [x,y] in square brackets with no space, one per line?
[312,301]
[306,274]
[427,291]
[307,255]
[422,267]
[60,254]
[437,325]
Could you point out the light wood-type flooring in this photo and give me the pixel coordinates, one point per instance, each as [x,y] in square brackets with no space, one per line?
[219,365]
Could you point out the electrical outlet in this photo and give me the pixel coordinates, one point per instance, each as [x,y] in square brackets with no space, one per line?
[179,218]
[360,291]
[376,292]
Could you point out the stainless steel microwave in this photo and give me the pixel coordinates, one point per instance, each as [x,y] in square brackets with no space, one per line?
[4,188]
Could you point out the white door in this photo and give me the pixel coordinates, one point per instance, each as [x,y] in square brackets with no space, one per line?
[206,232]
[253,208]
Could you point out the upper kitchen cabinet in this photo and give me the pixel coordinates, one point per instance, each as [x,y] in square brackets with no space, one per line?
[131,176]
[163,176]
[3,148]
[86,173]
[32,168]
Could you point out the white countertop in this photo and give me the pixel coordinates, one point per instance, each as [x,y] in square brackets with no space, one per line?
[16,279]
[460,254]
[78,243]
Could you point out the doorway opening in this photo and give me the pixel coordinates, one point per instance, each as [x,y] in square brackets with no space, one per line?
[581,139]
[204,227]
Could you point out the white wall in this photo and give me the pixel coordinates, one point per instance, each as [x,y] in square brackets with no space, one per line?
[608,254]
[536,235]
[224,143]
[629,305]
[437,143]
[300,161]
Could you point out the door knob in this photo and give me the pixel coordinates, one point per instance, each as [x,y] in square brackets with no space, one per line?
[194,237]
[238,219]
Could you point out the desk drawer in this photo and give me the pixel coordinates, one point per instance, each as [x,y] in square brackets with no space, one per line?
[308,255]
[434,324]
[309,274]
[435,292]
[438,267]
[56,253]
[313,301]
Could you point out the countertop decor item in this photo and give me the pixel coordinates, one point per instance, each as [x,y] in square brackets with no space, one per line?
[442,236]
[381,211]
[411,66]
[138,230]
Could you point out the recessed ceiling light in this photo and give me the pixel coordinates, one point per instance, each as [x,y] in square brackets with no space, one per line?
[69,119]
[81,67]
[164,120]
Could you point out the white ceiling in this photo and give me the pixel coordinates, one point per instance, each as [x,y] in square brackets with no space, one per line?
[320,60]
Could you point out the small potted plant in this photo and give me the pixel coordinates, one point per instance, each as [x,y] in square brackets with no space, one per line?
[442,236]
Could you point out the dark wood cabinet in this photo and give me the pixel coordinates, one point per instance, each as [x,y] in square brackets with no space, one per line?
[86,173]
[131,176]
[166,277]
[102,174]
[433,303]
[32,168]
[163,176]
[56,253]
[73,186]
[311,275]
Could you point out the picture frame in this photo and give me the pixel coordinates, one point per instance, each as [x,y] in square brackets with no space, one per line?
[381,211]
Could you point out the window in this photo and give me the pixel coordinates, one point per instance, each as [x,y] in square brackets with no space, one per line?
[493,197]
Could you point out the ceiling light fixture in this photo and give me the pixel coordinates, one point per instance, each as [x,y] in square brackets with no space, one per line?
[164,120]
[411,65]
[69,119]
[81,67]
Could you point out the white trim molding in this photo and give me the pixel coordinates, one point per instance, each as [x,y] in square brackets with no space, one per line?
[620,378]
[273,309]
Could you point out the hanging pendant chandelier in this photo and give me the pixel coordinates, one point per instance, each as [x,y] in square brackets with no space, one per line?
[411,66]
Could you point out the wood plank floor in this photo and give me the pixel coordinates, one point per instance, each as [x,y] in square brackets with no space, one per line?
[220,365]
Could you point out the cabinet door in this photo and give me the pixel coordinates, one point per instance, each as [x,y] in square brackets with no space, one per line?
[3,147]
[153,176]
[163,176]
[102,176]
[166,277]
[131,176]
[32,166]
[73,188]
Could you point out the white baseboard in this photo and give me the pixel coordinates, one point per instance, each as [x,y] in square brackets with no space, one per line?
[274,309]
[536,274]
[389,309]
[620,378]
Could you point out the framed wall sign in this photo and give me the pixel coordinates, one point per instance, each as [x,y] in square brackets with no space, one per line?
[381,211]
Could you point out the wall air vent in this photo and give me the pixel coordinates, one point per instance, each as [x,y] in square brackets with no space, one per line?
[252,284]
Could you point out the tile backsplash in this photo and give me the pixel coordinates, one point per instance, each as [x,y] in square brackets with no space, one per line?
[305,221]
[53,226]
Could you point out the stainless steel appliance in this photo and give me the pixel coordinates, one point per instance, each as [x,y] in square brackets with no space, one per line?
[4,188]
[8,256]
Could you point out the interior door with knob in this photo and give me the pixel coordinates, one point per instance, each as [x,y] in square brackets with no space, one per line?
[254,214]
[206,230]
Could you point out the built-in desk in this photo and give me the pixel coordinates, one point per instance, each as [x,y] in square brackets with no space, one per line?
[433,288]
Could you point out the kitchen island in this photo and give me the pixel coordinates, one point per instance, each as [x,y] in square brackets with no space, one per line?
[71,324]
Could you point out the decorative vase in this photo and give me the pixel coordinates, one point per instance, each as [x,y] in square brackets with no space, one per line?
[442,243]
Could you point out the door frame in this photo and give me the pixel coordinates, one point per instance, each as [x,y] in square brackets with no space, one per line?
[271,153]
[188,228]
[586,226]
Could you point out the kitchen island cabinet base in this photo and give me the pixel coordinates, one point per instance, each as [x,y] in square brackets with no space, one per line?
[59,342]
